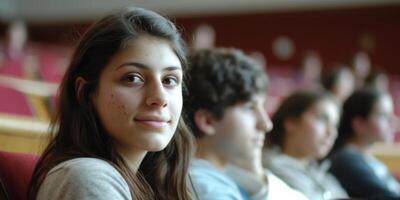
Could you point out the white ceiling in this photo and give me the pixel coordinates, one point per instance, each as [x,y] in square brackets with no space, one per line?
[46,11]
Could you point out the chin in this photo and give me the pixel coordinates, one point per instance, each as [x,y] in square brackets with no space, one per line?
[156,149]
[154,142]
[155,146]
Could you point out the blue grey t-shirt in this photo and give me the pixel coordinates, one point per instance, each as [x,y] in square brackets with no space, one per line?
[211,184]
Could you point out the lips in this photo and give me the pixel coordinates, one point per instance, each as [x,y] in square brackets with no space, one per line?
[153,121]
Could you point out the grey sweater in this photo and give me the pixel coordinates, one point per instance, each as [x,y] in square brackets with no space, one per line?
[311,179]
[84,179]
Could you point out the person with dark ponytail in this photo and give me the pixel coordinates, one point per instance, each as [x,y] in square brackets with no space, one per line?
[118,131]
[367,118]
[305,128]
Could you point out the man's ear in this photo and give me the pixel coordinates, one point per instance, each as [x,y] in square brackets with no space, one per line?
[79,83]
[204,122]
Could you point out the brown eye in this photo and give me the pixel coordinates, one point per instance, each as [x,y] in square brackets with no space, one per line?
[134,78]
[170,81]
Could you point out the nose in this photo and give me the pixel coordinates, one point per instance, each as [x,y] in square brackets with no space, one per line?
[264,121]
[156,95]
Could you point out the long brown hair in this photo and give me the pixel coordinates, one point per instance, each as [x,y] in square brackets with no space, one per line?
[360,104]
[294,106]
[76,130]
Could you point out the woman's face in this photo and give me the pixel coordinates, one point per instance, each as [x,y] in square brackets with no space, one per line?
[139,95]
[380,125]
[316,130]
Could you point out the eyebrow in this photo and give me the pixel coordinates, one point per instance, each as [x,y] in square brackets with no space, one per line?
[143,66]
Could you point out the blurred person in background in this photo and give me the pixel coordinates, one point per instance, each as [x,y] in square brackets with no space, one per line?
[227,114]
[339,81]
[377,79]
[14,49]
[305,128]
[204,37]
[17,37]
[311,70]
[260,59]
[361,66]
[118,132]
[367,118]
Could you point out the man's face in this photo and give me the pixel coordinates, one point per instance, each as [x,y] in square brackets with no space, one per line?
[241,131]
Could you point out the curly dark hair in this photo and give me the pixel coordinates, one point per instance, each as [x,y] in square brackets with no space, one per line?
[219,78]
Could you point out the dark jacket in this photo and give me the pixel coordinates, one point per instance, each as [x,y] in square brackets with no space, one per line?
[359,175]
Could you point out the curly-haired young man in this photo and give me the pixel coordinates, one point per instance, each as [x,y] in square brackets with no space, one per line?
[226,111]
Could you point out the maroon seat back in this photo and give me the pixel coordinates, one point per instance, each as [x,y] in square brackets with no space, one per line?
[15,172]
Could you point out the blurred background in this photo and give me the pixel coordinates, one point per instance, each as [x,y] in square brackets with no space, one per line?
[296,41]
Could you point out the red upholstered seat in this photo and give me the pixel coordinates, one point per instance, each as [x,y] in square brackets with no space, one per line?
[15,172]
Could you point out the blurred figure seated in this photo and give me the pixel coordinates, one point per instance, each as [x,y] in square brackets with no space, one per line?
[361,68]
[367,118]
[14,49]
[228,117]
[311,70]
[377,79]
[17,36]
[339,81]
[304,131]
[203,37]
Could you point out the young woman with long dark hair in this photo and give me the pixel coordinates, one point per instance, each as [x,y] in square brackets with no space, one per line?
[118,131]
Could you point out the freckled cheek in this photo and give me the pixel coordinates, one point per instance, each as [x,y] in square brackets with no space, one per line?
[121,103]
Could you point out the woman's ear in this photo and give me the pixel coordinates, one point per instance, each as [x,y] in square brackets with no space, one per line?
[79,83]
[204,122]
[358,125]
[290,125]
